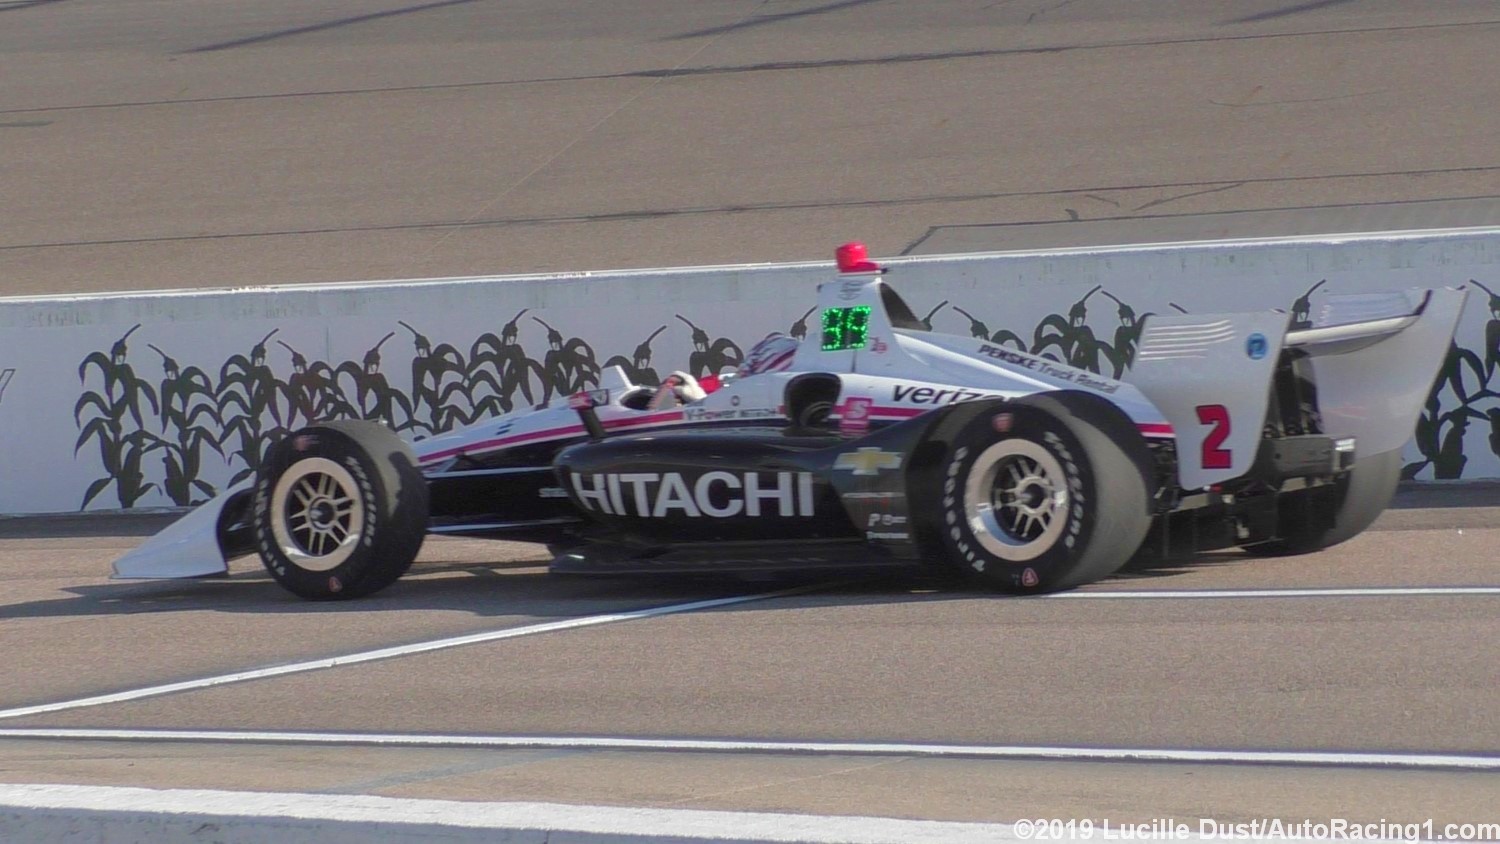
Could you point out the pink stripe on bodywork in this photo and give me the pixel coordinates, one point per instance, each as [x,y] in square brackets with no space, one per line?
[1147,429]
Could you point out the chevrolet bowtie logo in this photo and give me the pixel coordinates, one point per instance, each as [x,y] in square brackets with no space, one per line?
[868,461]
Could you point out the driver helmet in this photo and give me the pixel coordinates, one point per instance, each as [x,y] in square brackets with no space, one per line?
[677,389]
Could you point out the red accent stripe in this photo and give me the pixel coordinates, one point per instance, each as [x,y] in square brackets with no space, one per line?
[780,362]
[899,412]
[631,422]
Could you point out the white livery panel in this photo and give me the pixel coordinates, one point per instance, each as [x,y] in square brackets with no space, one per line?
[1210,375]
[1372,357]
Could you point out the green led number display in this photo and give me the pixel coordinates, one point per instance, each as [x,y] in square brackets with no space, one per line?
[845,328]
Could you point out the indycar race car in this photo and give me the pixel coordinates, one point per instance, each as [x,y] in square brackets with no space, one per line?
[874,442]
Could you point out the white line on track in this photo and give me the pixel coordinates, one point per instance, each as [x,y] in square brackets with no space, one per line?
[1316,592]
[610,618]
[183,814]
[1474,762]
[394,652]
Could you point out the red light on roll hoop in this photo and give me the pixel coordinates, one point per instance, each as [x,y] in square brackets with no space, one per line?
[854,258]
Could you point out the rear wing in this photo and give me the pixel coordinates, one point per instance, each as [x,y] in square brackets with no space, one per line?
[1349,322]
[1373,359]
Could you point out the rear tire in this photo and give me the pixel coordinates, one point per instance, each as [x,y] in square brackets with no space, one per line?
[339,510]
[1050,503]
[813,416]
[1314,519]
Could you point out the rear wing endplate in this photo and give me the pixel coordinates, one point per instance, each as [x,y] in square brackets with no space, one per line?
[1373,358]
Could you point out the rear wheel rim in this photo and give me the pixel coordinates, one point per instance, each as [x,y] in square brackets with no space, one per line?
[317,517]
[1016,500]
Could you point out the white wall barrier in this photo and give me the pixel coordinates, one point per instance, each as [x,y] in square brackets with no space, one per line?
[157,400]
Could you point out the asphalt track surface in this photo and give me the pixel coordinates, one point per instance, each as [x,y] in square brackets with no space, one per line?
[181,144]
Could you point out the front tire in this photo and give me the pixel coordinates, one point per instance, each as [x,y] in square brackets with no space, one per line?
[1049,502]
[339,510]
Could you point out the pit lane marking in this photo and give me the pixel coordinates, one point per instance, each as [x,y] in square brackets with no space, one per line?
[1342,759]
[1315,592]
[397,651]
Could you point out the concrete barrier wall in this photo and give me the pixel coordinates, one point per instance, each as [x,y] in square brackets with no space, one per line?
[120,401]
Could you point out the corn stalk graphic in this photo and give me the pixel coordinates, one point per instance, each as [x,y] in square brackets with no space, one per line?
[1121,353]
[374,397]
[927,320]
[437,374]
[1491,333]
[246,393]
[189,421]
[312,393]
[115,422]
[1072,337]
[638,367]
[999,337]
[498,369]
[710,357]
[569,364]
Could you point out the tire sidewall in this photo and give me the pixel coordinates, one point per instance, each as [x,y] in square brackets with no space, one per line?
[345,579]
[1052,567]
[814,415]
[1311,520]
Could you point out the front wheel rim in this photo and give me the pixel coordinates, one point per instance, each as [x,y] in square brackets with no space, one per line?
[1016,500]
[316,514]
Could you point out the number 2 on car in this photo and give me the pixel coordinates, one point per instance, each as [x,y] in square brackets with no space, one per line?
[1215,456]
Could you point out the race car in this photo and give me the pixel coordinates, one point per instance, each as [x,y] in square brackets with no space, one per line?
[874,442]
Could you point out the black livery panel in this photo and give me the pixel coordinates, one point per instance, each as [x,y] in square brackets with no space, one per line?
[748,485]
[736,484]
